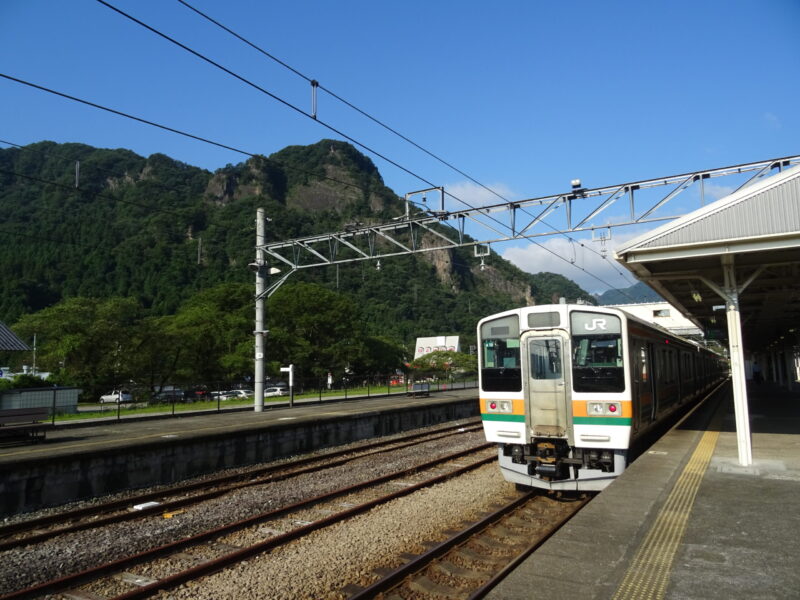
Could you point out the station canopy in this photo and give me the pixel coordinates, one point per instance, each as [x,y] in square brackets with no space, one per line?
[9,341]
[743,247]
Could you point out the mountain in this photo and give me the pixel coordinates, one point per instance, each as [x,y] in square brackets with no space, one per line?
[639,292]
[160,231]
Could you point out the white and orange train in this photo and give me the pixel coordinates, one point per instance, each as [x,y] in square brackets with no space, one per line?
[567,390]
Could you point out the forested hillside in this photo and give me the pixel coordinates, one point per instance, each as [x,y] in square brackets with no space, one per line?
[639,292]
[82,222]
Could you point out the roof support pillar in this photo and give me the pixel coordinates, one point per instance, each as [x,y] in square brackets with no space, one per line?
[740,406]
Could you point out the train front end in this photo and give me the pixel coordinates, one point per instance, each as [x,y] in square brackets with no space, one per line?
[553,395]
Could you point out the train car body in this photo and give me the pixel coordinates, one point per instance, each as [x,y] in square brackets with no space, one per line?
[565,390]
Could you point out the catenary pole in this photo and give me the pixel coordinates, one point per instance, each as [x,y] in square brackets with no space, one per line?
[260,334]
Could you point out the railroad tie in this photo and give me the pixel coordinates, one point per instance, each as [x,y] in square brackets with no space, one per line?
[451,570]
[425,585]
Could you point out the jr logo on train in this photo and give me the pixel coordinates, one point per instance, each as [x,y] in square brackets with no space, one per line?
[566,390]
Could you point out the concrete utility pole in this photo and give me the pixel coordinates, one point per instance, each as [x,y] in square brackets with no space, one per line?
[259,267]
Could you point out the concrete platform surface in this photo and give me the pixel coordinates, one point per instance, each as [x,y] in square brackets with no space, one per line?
[77,462]
[685,521]
[70,438]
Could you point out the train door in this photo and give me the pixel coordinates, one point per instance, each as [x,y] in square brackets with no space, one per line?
[640,377]
[656,356]
[647,392]
[644,400]
[546,383]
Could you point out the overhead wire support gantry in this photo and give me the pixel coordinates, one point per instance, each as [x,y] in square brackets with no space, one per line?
[447,228]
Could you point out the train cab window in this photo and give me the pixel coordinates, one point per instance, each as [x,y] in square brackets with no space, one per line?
[500,355]
[597,364]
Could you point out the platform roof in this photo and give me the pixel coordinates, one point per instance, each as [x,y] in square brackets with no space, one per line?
[9,341]
[757,228]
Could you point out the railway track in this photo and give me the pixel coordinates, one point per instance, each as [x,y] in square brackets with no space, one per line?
[180,497]
[146,573]
[471,562]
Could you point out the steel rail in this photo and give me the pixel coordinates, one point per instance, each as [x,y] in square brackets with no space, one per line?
[487,587]
[245,553]
[394,578]
[128,561]
[234,482]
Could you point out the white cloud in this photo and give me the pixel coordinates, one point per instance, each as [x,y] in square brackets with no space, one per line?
[474,195]
[718,191]
[581,260]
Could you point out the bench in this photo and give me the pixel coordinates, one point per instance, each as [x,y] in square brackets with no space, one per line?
[25,422]
[419,389]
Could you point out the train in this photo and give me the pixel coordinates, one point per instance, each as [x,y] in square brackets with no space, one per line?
[567,390]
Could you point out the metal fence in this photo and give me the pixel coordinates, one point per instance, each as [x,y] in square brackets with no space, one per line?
[60,400]
[207,396]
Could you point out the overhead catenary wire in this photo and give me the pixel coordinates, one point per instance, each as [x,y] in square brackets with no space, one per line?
[305,114]
[221,145]
[97,167]
[285,103]
[39,238]
[315,83]
[73,188]
[173,129]
[264,91]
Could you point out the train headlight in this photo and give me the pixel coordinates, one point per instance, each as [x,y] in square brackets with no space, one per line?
[503,406]
[603,408]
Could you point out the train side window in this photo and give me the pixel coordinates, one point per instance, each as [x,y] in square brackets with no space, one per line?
[643,363]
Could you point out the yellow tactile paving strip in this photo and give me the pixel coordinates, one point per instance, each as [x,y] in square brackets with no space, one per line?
[648,575]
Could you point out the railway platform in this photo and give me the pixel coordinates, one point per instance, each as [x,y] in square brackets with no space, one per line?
[685,521]
[80,461]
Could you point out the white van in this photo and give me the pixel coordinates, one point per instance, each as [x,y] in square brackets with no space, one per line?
[117,396]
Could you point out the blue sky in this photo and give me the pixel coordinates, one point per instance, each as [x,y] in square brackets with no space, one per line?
[522,96]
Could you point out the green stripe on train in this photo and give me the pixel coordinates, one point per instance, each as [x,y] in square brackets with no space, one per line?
[601,421]
[496,417]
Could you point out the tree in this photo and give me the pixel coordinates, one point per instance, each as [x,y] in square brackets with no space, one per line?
[86,341]
[314,328]
[444,364]
[157,348]
[214,332]
[382,355]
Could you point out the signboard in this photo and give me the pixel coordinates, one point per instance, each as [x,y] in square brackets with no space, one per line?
[426,345]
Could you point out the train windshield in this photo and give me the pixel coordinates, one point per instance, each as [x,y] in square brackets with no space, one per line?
[500,366]
[597,353]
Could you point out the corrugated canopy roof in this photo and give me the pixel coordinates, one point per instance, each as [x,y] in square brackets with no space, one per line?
[764,211]
[9,341]
[757,228]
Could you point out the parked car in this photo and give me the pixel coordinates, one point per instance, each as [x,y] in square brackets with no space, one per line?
[275,391]
[117,396]
[198,393]
[169,396]
[239,394]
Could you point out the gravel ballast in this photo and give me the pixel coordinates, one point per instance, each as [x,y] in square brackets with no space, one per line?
[22,567]
[321,564]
